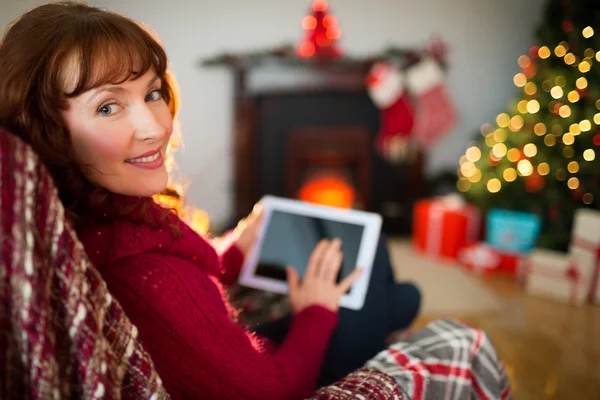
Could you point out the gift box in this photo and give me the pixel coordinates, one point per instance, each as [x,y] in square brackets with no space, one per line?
[585,247]
[443,226]
[484,259]
[556,276]
[479,258]
[513,264]
[512,231]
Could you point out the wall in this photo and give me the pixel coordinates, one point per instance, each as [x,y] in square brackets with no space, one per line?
[485,38]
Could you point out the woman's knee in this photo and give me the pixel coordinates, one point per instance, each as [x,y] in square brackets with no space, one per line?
[404,303]
[410,296]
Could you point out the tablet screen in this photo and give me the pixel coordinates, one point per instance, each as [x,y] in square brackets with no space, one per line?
[289,240]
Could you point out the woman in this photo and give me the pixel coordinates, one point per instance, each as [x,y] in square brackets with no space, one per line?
[90,92]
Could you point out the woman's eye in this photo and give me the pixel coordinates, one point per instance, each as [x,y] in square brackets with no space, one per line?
[154,95]
[108,109]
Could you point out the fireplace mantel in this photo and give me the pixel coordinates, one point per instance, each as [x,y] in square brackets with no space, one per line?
[268,85]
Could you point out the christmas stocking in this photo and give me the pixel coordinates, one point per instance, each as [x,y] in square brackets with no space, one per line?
[385,84]
[434,111]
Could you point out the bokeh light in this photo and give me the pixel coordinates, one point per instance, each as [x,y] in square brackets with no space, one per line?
[556,92]
[473,154]
[499,150]
[513,155]
[520,79]
[524,167]
[543,169]
[573,96]
[503,120]
[550,140]
[568,139]
[533,106]
[573,183]
[589,155]
[494,185]
[573,167]
[581,83]
[509,174]
[540,129]
[564,111]
[530,150]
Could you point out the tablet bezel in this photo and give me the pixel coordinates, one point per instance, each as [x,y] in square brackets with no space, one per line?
[366,254]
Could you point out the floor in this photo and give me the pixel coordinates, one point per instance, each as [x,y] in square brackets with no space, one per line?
[551,350]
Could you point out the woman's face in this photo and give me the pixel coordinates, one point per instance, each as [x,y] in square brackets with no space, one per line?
[120,134]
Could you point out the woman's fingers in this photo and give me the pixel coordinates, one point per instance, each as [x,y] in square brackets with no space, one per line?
[349,281]
[292,279]
[312,269]
[332,261]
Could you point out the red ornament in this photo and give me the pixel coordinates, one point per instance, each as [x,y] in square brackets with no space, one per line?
[493,161]
[578,193]
[567,26]
[597,139]
[322,33]
[522,155]
[530,70]
[534,182]
[557,107]
[533,51]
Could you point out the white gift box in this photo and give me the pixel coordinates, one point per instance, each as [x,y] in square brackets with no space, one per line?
[585,247]
[556,276]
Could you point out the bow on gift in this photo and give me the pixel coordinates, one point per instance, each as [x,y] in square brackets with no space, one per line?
[573,273]
[592,248]
[480,257]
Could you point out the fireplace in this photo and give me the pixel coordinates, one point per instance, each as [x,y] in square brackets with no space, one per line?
[307,131]
[330,166]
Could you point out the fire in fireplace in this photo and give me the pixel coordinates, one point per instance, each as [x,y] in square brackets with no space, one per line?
[330,166]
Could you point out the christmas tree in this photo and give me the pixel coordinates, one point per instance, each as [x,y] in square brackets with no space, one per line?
[321,33]
[540,155]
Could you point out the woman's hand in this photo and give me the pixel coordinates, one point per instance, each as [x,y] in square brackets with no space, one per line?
[246,231]
[318,286]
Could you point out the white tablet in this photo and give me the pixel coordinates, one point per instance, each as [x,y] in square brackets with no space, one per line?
[289,233]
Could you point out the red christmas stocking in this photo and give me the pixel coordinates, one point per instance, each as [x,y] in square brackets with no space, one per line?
[385,84]
[435,114]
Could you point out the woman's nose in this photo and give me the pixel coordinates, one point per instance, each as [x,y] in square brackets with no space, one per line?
[147,125]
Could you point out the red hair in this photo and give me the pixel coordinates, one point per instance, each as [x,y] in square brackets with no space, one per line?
[93,47]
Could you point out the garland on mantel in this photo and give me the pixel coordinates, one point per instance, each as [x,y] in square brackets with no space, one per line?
[287,55]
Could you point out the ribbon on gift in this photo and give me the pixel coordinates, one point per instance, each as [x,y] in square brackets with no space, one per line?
[439,207]
[572,274]
[594,249]
[480,257]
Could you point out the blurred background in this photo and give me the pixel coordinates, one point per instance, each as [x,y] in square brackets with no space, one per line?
[471,126]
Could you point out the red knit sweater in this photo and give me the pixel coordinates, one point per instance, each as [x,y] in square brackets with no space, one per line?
[171,289]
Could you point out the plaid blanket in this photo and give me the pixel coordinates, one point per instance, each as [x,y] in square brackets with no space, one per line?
[62,336]
[445,360]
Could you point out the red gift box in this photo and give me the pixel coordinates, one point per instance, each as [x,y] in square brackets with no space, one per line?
[513,264]
[484,259]
[479,258]
[442,227]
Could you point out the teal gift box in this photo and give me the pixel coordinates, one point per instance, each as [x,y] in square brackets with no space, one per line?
[512,231]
